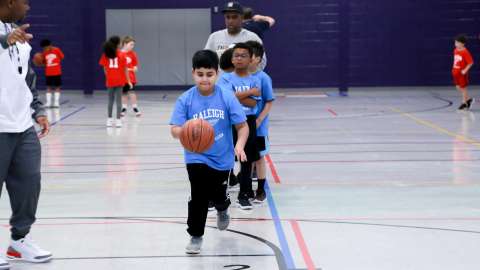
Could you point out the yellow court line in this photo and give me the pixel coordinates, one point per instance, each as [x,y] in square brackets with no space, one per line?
[438,128]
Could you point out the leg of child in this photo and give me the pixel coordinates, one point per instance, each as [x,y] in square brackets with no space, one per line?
[198,204]
[261,173]
[111,99]
[219,192]
[464,93]
[118,100]
[48,97]
[245,180]
[56,100]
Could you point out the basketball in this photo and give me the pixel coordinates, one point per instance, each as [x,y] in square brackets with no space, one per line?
[197,136]
[38,59]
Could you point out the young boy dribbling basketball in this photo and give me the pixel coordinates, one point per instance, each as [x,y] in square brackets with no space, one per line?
[461,66]
[208,171]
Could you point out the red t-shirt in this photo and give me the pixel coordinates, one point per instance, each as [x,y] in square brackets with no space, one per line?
[53,58]
[132,62]
[461,60]
[115,70]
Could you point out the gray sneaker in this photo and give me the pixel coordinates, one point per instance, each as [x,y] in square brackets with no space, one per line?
[194,246]
[223,220]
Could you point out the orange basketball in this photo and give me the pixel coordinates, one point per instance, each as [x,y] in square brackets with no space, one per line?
[197,135]
[38,59]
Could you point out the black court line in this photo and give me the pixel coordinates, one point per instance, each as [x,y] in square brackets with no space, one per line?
[163,257]
[159,218]
[113,171]
[277,252]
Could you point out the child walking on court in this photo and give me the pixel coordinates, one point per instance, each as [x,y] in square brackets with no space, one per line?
[128,44]
[114,65]
[462,64]
[208,172]
[247,89]
[52,57]
[264,107]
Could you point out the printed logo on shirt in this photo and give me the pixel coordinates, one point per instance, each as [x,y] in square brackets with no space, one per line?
[458,59]
[210,114]
[129,60]
[50,58]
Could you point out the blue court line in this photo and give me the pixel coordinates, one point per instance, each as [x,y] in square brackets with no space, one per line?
[287,255]
[68,115]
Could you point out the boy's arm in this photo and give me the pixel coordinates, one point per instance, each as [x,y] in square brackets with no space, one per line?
[242,131]
[465,71]
[176,131]
[265,112]
[249,102]
[270,20]
[245,94]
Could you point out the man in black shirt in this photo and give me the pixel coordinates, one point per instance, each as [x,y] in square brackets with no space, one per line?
[256,23]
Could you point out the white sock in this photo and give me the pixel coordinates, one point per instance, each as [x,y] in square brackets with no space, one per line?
[57,98]
[49,99]
[135,106]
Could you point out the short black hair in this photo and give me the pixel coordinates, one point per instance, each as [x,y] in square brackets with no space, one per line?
[257,48]
[45,43]
[461,38]
[205,59]
[110,47]
[226,60]
[245,46]
[247,13]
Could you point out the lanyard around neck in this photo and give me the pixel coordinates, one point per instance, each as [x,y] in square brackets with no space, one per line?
[13,50]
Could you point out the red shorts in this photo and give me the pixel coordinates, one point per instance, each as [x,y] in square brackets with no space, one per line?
[459,79]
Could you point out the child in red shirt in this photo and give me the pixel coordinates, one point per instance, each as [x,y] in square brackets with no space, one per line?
[114,64]
[52,57]
[128,44]
[461,65]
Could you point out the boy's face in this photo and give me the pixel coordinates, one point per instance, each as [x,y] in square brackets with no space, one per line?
[241,58]
[459,45]
[205,78]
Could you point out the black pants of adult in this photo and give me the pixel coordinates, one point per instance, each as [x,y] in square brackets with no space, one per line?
[206,184]
[20,159]
[253,155]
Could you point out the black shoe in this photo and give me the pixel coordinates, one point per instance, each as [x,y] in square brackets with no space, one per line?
[211,206]
[469,103]
[463,106]
[244,203]
[137,112]
[261,197]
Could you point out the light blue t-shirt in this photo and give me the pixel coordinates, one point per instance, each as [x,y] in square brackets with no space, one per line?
[234,83]
[222,110]
[267,95]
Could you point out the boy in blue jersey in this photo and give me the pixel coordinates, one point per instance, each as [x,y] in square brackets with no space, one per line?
[247,90]
[264,107]
[208,172]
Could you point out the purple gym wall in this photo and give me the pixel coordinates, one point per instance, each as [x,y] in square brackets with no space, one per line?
[314,44]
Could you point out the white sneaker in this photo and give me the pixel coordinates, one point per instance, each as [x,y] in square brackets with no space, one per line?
[26,250]
[118,123]
[194,246]
[110,122]
[4,265]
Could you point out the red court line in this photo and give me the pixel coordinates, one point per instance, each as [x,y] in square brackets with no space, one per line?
[303,246]
[276,178]
[332,112]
